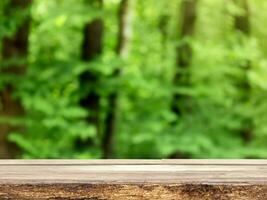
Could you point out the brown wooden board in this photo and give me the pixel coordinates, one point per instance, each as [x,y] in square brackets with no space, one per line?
[134,179]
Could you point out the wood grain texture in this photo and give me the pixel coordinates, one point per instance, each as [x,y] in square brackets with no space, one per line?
[133,179]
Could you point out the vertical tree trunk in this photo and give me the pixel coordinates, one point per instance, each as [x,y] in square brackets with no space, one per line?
[122,50]
[92,47]
[163,28]
[184,53]
[242,22]
[242,25]
[14,47]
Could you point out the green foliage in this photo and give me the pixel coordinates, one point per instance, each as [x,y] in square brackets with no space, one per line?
[55,123]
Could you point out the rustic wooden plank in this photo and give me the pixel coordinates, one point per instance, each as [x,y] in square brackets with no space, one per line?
[133,179]
[136,162]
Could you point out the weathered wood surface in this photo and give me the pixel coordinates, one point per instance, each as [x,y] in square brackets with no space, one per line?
[134,179]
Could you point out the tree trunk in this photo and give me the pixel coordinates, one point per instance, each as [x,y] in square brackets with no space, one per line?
[242,25]
[92,47]
[163,28]
[242,22]
[184,53]
[14,47]
[122,50]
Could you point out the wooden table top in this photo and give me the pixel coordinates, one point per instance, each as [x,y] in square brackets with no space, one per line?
[134,171]
[133,179]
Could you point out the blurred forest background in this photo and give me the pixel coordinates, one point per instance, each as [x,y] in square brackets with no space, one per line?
[133,79]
